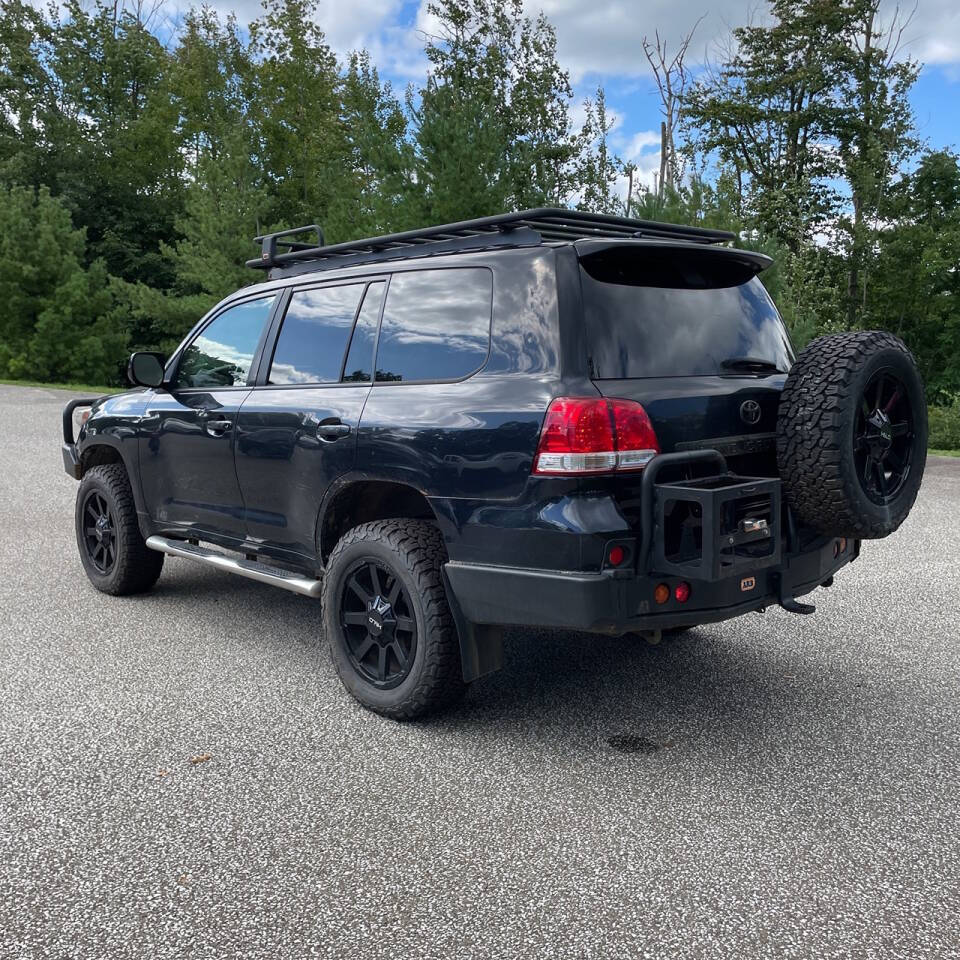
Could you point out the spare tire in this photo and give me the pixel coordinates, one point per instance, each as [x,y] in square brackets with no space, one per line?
[852,434]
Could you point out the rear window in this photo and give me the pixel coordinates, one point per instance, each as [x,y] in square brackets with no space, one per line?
[436,325]
[314,335]
[660,314]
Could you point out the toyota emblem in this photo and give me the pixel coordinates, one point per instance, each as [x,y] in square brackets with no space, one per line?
[750,412]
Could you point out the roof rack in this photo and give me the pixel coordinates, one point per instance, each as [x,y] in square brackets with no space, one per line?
[526,228]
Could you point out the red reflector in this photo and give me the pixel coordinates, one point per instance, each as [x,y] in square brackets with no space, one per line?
[615,556]
[682,591]
[594,435]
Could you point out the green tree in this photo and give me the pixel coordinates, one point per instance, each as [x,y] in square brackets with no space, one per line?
[917,278]
[26,96]
[117,135]
[875,134]
[295,111]
[378,191]
[492,125]
[57,318]
[767,111]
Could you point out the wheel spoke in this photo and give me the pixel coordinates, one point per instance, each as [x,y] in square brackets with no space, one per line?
[406,624]
[394,591]
[382,664]
[881,479]
[90,531]
[354,585]
[375,579]
[356,618]
[880,382]
[399,653]
[860,442]
[110,552]
[895,460]
[892,402]
[364,647]
[867,470]
[900,429]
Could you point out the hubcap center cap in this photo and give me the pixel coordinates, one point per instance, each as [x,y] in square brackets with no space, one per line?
[103,522]
[879,434]
[380,620]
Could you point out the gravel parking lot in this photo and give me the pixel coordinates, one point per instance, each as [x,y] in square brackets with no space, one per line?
[790,787]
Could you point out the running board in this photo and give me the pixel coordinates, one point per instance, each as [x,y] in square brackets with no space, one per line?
[244,568]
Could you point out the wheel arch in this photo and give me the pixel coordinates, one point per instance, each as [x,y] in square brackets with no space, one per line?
[361,499]
[96,454]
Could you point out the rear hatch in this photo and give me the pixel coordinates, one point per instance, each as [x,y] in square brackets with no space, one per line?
[690,332]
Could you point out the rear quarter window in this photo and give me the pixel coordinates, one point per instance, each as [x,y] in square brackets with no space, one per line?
[676,314]
[436,325]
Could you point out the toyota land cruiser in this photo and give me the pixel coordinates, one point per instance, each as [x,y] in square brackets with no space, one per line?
[546,418]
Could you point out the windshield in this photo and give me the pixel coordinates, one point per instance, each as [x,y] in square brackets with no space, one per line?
[657,313]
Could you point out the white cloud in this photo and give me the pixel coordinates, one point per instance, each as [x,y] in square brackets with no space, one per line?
[605,37]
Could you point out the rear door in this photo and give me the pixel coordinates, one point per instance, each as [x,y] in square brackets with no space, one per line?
[187,433]
[693,336]
[297,431]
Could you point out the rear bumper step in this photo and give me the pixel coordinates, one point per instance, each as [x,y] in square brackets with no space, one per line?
[244,568]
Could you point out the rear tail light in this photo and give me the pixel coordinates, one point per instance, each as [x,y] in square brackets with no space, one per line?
[594,435]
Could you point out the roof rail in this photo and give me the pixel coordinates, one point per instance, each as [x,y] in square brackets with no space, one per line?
[528,227]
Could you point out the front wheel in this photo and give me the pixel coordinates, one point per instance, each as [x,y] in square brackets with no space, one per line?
[114,555]
[392,637]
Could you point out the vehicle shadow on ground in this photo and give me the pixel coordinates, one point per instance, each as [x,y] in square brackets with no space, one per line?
[703,690]
[711,686]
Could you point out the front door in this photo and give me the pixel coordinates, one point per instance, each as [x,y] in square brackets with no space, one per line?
[188,431]
[297,431]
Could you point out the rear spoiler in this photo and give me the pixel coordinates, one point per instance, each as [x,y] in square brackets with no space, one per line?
[750,259]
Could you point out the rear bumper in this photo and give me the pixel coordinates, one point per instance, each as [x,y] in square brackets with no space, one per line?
[611,602]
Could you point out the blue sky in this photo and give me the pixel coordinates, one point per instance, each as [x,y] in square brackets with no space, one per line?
[600,43]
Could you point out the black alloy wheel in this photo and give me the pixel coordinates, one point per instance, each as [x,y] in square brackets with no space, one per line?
[883,437]
[99,532]
[378,624]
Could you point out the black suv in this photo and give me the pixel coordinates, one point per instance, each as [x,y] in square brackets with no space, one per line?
[547,418]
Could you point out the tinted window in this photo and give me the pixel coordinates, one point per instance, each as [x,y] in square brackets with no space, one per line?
[653,315]
[314,335]
[359,365]
[436,325]
[221,355]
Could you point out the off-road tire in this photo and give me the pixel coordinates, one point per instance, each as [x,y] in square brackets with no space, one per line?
[414,551]
[815,433]
[136,568]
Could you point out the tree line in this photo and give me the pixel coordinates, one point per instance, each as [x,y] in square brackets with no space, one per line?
[137,160]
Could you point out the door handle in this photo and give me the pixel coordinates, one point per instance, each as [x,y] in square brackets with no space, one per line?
[333,431]
[218,427]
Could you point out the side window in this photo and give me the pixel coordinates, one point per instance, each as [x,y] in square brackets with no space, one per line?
[436,325]
[359,365]
[223,352]
[314,335]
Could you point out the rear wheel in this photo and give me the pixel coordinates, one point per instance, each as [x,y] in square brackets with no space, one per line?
[392,636]
[114,555]
[852,434]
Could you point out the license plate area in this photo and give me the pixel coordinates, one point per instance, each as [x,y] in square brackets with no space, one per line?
[716,527]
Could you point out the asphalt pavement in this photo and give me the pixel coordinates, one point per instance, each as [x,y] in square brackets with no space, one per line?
[775,786]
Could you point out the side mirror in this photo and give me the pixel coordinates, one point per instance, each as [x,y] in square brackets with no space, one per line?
[145,370]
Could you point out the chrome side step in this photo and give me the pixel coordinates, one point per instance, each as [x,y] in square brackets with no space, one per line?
[244,568]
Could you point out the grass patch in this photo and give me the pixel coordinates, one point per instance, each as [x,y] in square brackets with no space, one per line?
[944,453]
[97,391]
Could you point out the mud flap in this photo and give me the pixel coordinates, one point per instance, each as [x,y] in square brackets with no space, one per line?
[481,644]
